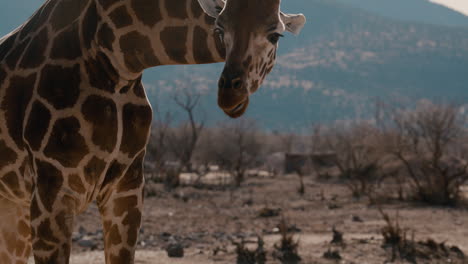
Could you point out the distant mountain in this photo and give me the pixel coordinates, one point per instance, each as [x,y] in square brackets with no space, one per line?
[421,11]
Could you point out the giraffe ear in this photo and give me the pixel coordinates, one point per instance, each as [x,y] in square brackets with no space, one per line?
[293,23]
[212,7]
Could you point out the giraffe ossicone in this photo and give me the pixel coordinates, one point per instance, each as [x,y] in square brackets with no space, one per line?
[75,119]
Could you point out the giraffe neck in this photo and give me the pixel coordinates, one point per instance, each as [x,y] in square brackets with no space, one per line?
[150,33]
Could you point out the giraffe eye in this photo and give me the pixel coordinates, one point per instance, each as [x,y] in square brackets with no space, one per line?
[274,38]
[220,33]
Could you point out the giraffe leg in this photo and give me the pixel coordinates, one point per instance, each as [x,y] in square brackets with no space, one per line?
[121,208]
[53,210]
[15,235]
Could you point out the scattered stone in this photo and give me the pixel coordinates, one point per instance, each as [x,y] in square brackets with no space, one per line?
[335,254]
[89,244]
[333,206]
[337,237]
[269,212]
[175,250]
[82,230]
[357,219]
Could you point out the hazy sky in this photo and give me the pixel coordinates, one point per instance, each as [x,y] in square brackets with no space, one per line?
[459,5]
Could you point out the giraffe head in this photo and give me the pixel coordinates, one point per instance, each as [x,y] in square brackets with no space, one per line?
[250,31]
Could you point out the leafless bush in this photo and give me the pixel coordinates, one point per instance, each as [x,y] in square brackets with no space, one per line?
[357,155]
[402,247]
[235,146]
[429,144]
[287,249]
[395,237]
[248,256]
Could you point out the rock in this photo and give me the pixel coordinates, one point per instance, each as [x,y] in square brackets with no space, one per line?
[89,244]
[269,212]
[335,255]
[357,219]
[175,250]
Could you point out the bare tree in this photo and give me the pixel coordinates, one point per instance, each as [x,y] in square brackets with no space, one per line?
[184,138]
[429,143]
[158,147]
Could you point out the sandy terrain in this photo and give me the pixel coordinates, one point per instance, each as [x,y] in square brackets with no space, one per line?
[206,222]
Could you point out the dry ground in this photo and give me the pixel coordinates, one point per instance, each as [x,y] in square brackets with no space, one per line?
[207,221]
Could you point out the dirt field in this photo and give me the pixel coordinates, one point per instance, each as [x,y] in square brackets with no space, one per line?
[206,222]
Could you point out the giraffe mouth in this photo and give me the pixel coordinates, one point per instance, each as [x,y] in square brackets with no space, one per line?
[238,110]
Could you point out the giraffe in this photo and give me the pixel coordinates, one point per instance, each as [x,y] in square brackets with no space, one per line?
[75,119]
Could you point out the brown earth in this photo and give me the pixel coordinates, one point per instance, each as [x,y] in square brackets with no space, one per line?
[206,222]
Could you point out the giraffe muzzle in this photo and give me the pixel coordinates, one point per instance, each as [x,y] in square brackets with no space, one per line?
[238,110]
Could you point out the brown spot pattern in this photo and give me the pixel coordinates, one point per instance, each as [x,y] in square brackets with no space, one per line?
[137,50]
[11,181]
[67,44]
[49,182]
[176,9]
[124,204]
[35,211]
[136,124]
[14,104]
[201,52]
[45,233]
[64,227]
[15,54]
[106,3]
[2,76]
[60,86]
[23,228]
[133,221]
[75,183]
[148,12]
[102,114]
[138,89]
[37,125]
[133,178]
[8,156]
[101,73]
[66,12]
[34,55]
[120,17]
[89,25]
[173,40]
[197,11]
[7,45]
[93,170]
[66,144]
[114,237]
[106,37]
[124,257]
[114,172]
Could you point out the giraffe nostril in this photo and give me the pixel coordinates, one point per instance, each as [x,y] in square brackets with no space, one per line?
[222,82]
[237,83]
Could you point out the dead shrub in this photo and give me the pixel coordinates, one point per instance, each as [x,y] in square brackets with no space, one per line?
[337,237]
[247,256]
[287,249]
[357,156]
[429,143]
[332,254]
[395,237]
